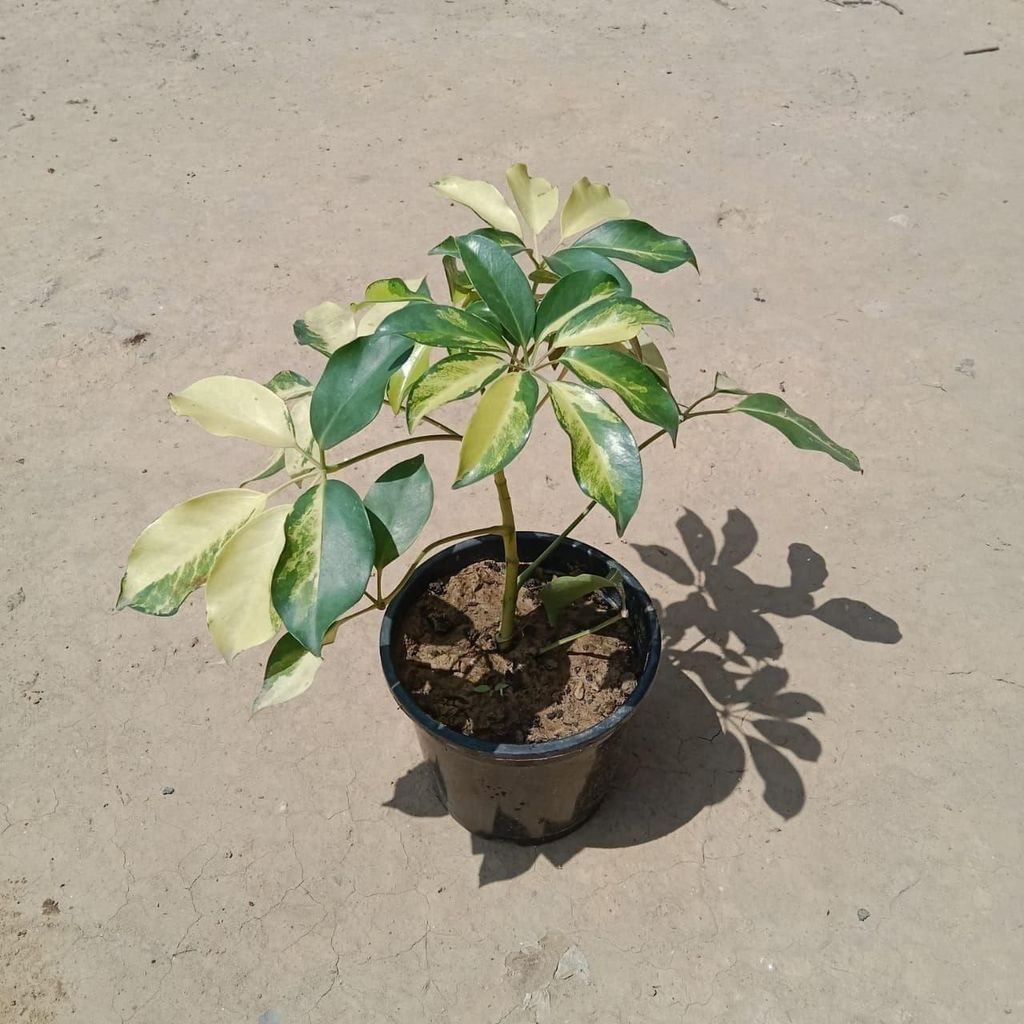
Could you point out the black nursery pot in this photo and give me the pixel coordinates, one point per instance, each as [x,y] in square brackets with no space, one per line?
[525,792]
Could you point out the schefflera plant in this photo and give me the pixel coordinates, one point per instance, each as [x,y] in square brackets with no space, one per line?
[524,326]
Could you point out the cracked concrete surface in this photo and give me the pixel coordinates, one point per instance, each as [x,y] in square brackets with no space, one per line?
[836,727]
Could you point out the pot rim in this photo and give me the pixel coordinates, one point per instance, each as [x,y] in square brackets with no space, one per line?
[518,751]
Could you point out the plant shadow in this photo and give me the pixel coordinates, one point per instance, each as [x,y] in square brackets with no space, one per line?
[721,701]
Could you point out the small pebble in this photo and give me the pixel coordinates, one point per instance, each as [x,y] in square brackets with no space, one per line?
[862,914]
[167,790]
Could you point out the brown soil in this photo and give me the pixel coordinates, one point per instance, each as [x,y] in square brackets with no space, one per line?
[447,648]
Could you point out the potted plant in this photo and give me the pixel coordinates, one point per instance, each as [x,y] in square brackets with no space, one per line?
[518,656]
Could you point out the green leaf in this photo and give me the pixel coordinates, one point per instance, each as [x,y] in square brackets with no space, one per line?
[589,204]
[326,328]
[483,199]
[398,505]
[351,390]
[274,467]
[801,431]
[444,327]
[637,385]
[569,261]
[454,377]
[236,407]
[288,384]
[512,244]
[501,283]
[498,428]
[541,275]
[536,198]
[459,287]
[572,294]
[605,460]
[481,309]
[618,318]
[727,386]
[239,613]
[403,379]
[290,672]
[394,289]
[562,591]
[637,242]
[175,554]
[326,561]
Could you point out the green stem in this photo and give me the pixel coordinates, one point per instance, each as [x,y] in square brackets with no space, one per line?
[386,600]
[583,632]
[508,534]
[293,480]
[389,447]
[442,426]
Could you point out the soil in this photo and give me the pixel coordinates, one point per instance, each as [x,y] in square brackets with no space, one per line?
[447,653]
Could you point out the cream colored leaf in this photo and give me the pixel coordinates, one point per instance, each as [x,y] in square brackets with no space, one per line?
[589,204]
[239,613]
[375,315]
[483,199]
[334,325]
[235,407]
[536,198]
[296,461]
[175,554]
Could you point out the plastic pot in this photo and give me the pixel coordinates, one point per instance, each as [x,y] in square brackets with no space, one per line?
[524,792]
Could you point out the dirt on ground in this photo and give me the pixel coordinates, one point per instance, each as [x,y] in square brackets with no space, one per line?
[448,659]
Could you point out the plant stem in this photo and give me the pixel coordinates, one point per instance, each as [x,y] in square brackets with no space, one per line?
[442,426]
[583,632]
[293,480]
[508,533]
[430,547]
[388,447]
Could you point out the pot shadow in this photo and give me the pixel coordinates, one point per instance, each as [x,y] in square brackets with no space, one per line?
[720,703]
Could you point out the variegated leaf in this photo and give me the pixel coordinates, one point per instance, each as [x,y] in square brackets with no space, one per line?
[326,561]
[239,612]
[605,459]
[618,318]
[290,672]
[235,407]
[306,452]
[403,379]
[498,428]
[454,377]
[175,554]
[326,328]
[394,289]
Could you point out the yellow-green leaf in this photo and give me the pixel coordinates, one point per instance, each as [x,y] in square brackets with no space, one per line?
[483,199]
[589,204]
[239,613]
[536,198]
[498,428]
[326,328]
[175,554]
[605,459]
[403,379]
[457,376]
[235,407]
[290,672]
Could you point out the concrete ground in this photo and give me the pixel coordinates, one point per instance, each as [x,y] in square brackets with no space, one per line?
[181,181]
